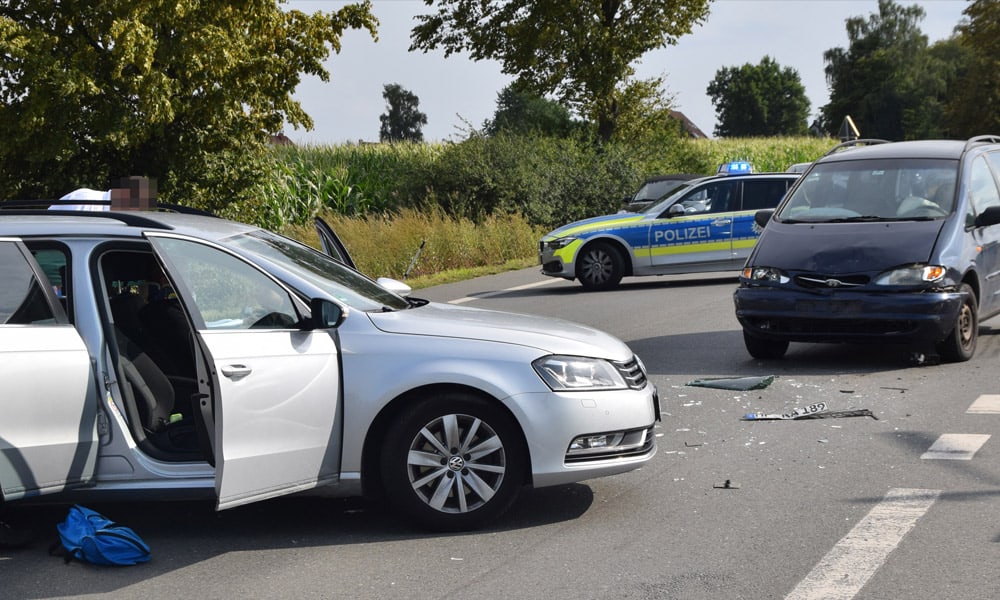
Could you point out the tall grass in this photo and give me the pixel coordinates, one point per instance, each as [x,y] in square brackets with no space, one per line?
[387,244]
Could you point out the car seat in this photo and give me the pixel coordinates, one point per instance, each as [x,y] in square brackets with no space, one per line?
[154,396]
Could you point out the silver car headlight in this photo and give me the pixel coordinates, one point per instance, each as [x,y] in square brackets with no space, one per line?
[557,243]
[911,275]
[575,373]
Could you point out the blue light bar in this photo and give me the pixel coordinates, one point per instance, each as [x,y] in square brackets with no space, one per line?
[736,167]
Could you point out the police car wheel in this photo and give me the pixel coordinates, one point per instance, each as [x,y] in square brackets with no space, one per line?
[960,345]
[763,348]
[453,461]
[600,266]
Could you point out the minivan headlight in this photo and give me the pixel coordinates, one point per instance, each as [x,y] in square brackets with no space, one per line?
[764,274]
[575,373]
[911,275]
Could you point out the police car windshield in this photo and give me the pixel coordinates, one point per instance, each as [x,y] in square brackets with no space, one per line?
[873,190]
[663,204]
[341,282]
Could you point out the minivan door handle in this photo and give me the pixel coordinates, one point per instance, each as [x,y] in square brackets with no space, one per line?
[236,371]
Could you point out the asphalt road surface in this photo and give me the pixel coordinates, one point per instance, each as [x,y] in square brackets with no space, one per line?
[900,504]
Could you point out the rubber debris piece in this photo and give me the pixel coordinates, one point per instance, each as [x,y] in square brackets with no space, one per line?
[734,383]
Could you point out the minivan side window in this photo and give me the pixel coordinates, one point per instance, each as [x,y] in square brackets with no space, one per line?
[983,191]
[22,299]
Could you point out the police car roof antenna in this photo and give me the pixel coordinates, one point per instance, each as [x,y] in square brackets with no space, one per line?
[413,262]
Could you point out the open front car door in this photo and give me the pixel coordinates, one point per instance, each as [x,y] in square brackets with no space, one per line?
[273,379]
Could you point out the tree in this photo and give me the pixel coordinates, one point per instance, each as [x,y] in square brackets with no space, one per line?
[523,113]
[186,92]
[759,100]
[971,107]
[885,77]
[401,121]
[580,52]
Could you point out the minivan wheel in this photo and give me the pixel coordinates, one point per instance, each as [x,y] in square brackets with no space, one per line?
[960,345]
[600,266]
[763,348]
[453,462]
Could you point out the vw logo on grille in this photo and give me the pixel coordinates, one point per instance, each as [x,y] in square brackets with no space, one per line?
[456,463]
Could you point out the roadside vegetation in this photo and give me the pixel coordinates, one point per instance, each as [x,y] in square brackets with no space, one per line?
[479,205]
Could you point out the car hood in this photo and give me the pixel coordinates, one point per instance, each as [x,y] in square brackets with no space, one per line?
[594,224]
[846,247]
[547,334]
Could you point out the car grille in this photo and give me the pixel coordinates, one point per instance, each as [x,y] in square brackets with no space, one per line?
[816,280]
[632,371]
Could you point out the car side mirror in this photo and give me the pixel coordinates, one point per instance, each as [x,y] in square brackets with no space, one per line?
[990,216]
[396,287]
[325,315]
[763,217]
[676,210]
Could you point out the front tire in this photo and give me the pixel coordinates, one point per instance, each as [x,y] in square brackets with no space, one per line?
[960,345]
[764,348]
[600,266]
[453,462]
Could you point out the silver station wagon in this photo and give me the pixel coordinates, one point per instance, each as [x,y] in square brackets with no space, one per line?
[159,355]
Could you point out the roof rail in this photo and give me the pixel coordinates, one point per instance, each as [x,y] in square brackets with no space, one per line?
[981,139]
[128,218]
[7,205]
[851,143]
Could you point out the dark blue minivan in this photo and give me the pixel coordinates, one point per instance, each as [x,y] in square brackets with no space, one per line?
[889,242]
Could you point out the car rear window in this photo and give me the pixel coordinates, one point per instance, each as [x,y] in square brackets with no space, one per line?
[22,300]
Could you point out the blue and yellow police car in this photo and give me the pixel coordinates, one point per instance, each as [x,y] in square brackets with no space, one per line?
[705,226]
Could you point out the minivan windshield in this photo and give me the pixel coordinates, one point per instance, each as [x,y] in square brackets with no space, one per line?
[873,190]
[341,282]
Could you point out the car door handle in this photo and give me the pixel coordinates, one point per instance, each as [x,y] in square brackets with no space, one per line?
[236,371]
[721,222]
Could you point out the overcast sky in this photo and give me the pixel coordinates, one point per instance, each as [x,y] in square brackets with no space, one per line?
[457,93]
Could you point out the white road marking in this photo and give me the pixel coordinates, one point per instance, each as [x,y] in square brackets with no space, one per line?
[849,565]
[987,404]
[955,446]
[526,286]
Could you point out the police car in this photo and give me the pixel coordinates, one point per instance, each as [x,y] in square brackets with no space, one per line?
[706,226]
